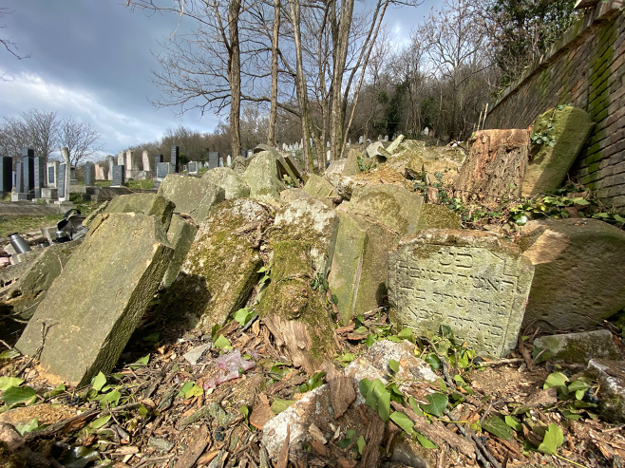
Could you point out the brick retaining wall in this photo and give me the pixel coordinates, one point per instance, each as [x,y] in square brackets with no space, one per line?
[586,68]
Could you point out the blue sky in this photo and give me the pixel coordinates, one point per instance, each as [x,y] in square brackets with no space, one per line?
[92,60]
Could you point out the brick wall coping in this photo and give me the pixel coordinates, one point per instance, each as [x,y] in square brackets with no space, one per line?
[604,12]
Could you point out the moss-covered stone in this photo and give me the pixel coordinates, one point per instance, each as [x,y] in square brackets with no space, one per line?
[289,195]
[263,177]
[347,265]
[319,187]
[351,166]
[439,217]
[611,379]
[181,235]
[146,203]
[579,347]
[548,164]
[579,279]
[221,267]
[233,184]
[191,195]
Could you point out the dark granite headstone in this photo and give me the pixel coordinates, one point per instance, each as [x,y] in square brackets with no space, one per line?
[213,159]
[175,159]
[162,169]
[19,182]
[14,178]
[28,170]
[51,175]
[40,175]
[119,176]
[6,174]
[89,174]
[61,182]
[157,160]
[244,153]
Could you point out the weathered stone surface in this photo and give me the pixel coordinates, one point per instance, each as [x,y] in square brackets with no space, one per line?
[233,184]
[191,195]
[221,266]
[284,168]
[495,166]
[580,273]
[145,203]
[417,159]
[347,265]
[181,234]
[26,294]
[239,164]
[351,166]
[289,195]
[548,164]
[303,242]
[319,187]
[295,167]
[393,147]
[438,217]
[263,178]
[336,167]
[372,149]
[611,378]
[579,347]
[473,281]
[393,206]
[93,307]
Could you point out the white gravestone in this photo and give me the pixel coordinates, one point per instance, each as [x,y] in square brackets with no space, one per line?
[146,161]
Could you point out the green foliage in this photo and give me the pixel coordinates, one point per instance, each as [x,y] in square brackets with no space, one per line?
[498,427]
[553,439]
[14,396]
[316,381]
[243,316]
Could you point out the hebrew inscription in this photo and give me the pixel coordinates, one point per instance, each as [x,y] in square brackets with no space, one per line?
[471,281]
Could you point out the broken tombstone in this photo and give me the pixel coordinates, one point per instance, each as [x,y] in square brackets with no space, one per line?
[263,177]
[319,187]
[92,308]
[578,347]
[611,378]
[228,179]
[181,234]
[191,195]
[145,203]
[473,281]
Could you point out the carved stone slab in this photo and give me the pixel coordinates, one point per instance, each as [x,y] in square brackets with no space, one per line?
[475,282]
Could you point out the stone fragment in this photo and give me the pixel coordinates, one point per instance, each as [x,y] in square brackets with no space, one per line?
[27,293]
[196,354]
[181,234]
[289,195]
[336,167]
[319,187]
[239,164]
[566,131]
[145,203]
[580,273]
[396,208]
[495,166]
[92,308]
[373,149]
[473,281]
[233,184]
[439,217]
[416,160]
[191,195]
[579,347]
[221,266]
[347,265]
[351,166]
[393,147]
[610,376]
[263,178]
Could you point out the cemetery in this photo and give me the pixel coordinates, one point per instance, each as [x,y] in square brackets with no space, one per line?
[408,305]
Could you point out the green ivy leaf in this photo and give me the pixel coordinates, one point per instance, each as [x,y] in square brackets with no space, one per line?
[28,427]
[361,444]
[514,423]
[437,404]
[403,422]
[553,439]
[394,365]
[101,421]
[415,406]
[384,406]
[556,379]
[279,405]
[6,382]
[496,426]
[425,442]
[15,395]
[243,316]
[405,334]
[98,381]
[222,343]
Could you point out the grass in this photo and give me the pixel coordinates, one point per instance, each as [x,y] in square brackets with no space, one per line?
[140,184]
[26,223]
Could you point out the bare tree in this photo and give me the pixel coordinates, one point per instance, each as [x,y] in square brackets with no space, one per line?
[81,139]
[34,129]
[7,42]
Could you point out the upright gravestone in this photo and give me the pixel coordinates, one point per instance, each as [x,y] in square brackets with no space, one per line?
[66,176]
[229,161]
[213,159]
[157,160]
[243,153]
[361,140]
[121,159]
[6,175]
[40,175]
[61,182]
[119,176]
[28,172]
[89,174]
[221,162]
[14,178]
[175,159]
[52,174]
[475,282]
[385,137]
[193,167]
[146,161]
[19,178]
[184,168]
[162,169]
[99,172]
[111,162]
[130,167]
[329,154]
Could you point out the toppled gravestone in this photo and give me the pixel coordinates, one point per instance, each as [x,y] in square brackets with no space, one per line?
[578,347]
[611,379]
[394,146]
[239,164]
[25,295]
[289,195]
[263,177]
[558,136]
[145,203]
[221,267]
[495,166]
[303,240]
[233,184]
[181,234]
[580,273]
[191,195]
[319,187]
[92,308]
[473,281]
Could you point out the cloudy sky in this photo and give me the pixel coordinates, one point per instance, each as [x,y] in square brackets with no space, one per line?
[91,59]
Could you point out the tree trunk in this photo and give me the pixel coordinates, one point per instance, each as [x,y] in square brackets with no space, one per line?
[271,138]
[234,77]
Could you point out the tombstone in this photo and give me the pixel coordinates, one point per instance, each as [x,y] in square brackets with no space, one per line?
[157,160]
[425,132]
[52,174]
[14,178]
[61,182]
[329,154]
[221,162]
[99,172]
[473,281]
[129,164]
[19,178]
[193,167]
[146,161]
[6,174]
[213,159]
[40,175]
[379,137]
[243,153]
[228,161]
[121,159]
[327,144]
[349,141]
[119,176]
[175,159]
[72,176]
[89,174]
[284,147]
[162,169]
[361,140]
[28,171]
[184,168]
[111,163]
[385,137]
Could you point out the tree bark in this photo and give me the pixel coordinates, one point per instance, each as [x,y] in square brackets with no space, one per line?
[234,77]
[273,112]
